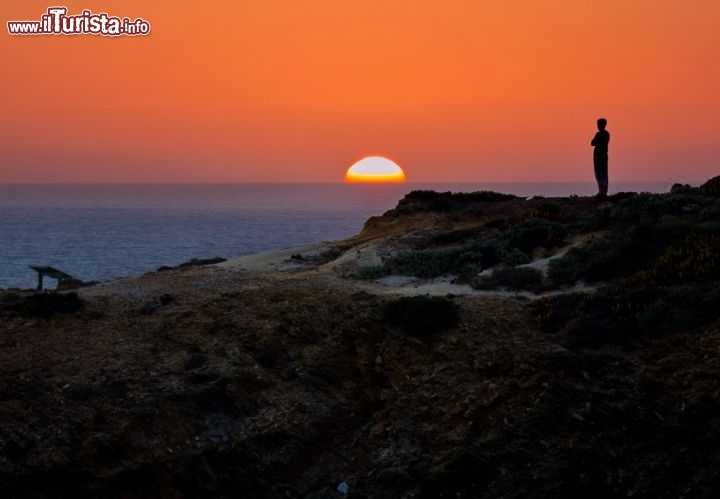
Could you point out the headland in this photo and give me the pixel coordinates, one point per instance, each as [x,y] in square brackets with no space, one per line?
[462,345]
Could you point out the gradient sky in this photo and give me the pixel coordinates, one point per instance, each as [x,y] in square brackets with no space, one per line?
[298,90]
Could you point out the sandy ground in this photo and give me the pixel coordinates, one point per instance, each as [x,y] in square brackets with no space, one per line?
[368,254]
[277,259]
[301,263]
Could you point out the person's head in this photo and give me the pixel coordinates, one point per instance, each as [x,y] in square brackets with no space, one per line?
[602,123]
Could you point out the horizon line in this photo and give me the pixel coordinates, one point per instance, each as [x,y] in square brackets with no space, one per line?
[264,182]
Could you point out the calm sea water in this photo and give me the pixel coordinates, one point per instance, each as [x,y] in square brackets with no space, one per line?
[101,232]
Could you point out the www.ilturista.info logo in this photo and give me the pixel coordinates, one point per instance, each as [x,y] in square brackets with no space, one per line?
[57,22]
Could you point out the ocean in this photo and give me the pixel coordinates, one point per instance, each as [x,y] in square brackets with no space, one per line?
[98,232]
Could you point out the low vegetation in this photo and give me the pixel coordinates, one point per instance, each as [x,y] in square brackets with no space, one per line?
[692,259]
[463,261]
[712,187]
[513,247]
[195,262]
[657,260]
[370,272]
[646,251]
[607,257]
[41,305]
[426,263]
[427,200]
[458,197]
[421,315]
[620,316]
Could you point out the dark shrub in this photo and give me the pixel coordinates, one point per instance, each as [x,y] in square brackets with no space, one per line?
[683,189]
[421,315]
[193,263]
[9,298]
[443,201]
[467,273]
[67,284]
[570,267]
[370,272]
[618,254]
[647,208]
[483,197]
[553,313]
[584,320]
[45,305]
[327,256]
[712,187]
[441,204]
[710,214]
[454,236]
[599,259]
[691,260]
[201,261]
[644,208]
[680,309]
[549,209]
[427,200]
[511,256]
[620,317]
[712,228]
[594,330]
[483,254]
[497,223]
[587,320]
[194,360]
[597,220]
[620,196]
[534,232]
[516,244]
[424,195]
[166,299]
[426,263]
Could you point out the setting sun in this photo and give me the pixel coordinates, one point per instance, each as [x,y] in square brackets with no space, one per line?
[375,169]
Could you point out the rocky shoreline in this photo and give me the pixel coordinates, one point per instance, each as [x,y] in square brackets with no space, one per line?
[583,362]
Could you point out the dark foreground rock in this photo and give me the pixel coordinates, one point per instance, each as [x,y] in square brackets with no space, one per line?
[289,391]
[298,383]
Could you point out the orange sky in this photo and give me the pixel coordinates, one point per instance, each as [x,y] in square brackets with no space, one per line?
[288,90]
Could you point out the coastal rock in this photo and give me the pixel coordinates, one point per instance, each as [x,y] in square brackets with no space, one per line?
[244,380]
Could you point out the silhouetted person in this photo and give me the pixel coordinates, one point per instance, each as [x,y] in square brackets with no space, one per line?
[600,157]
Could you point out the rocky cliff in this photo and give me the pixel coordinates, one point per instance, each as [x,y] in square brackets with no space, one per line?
[580,360]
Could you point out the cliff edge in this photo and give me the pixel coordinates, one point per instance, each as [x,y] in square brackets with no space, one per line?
[462,345]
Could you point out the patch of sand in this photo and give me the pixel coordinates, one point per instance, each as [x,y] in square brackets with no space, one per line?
[442,286]
[271,266]
[277,259]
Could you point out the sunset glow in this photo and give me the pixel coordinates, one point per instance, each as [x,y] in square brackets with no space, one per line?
[375,169]
[286,91]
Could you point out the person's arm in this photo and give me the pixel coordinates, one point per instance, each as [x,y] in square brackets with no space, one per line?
[593,142]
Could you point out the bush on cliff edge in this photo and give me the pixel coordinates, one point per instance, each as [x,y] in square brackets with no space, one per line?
[46,305]
[421,315]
